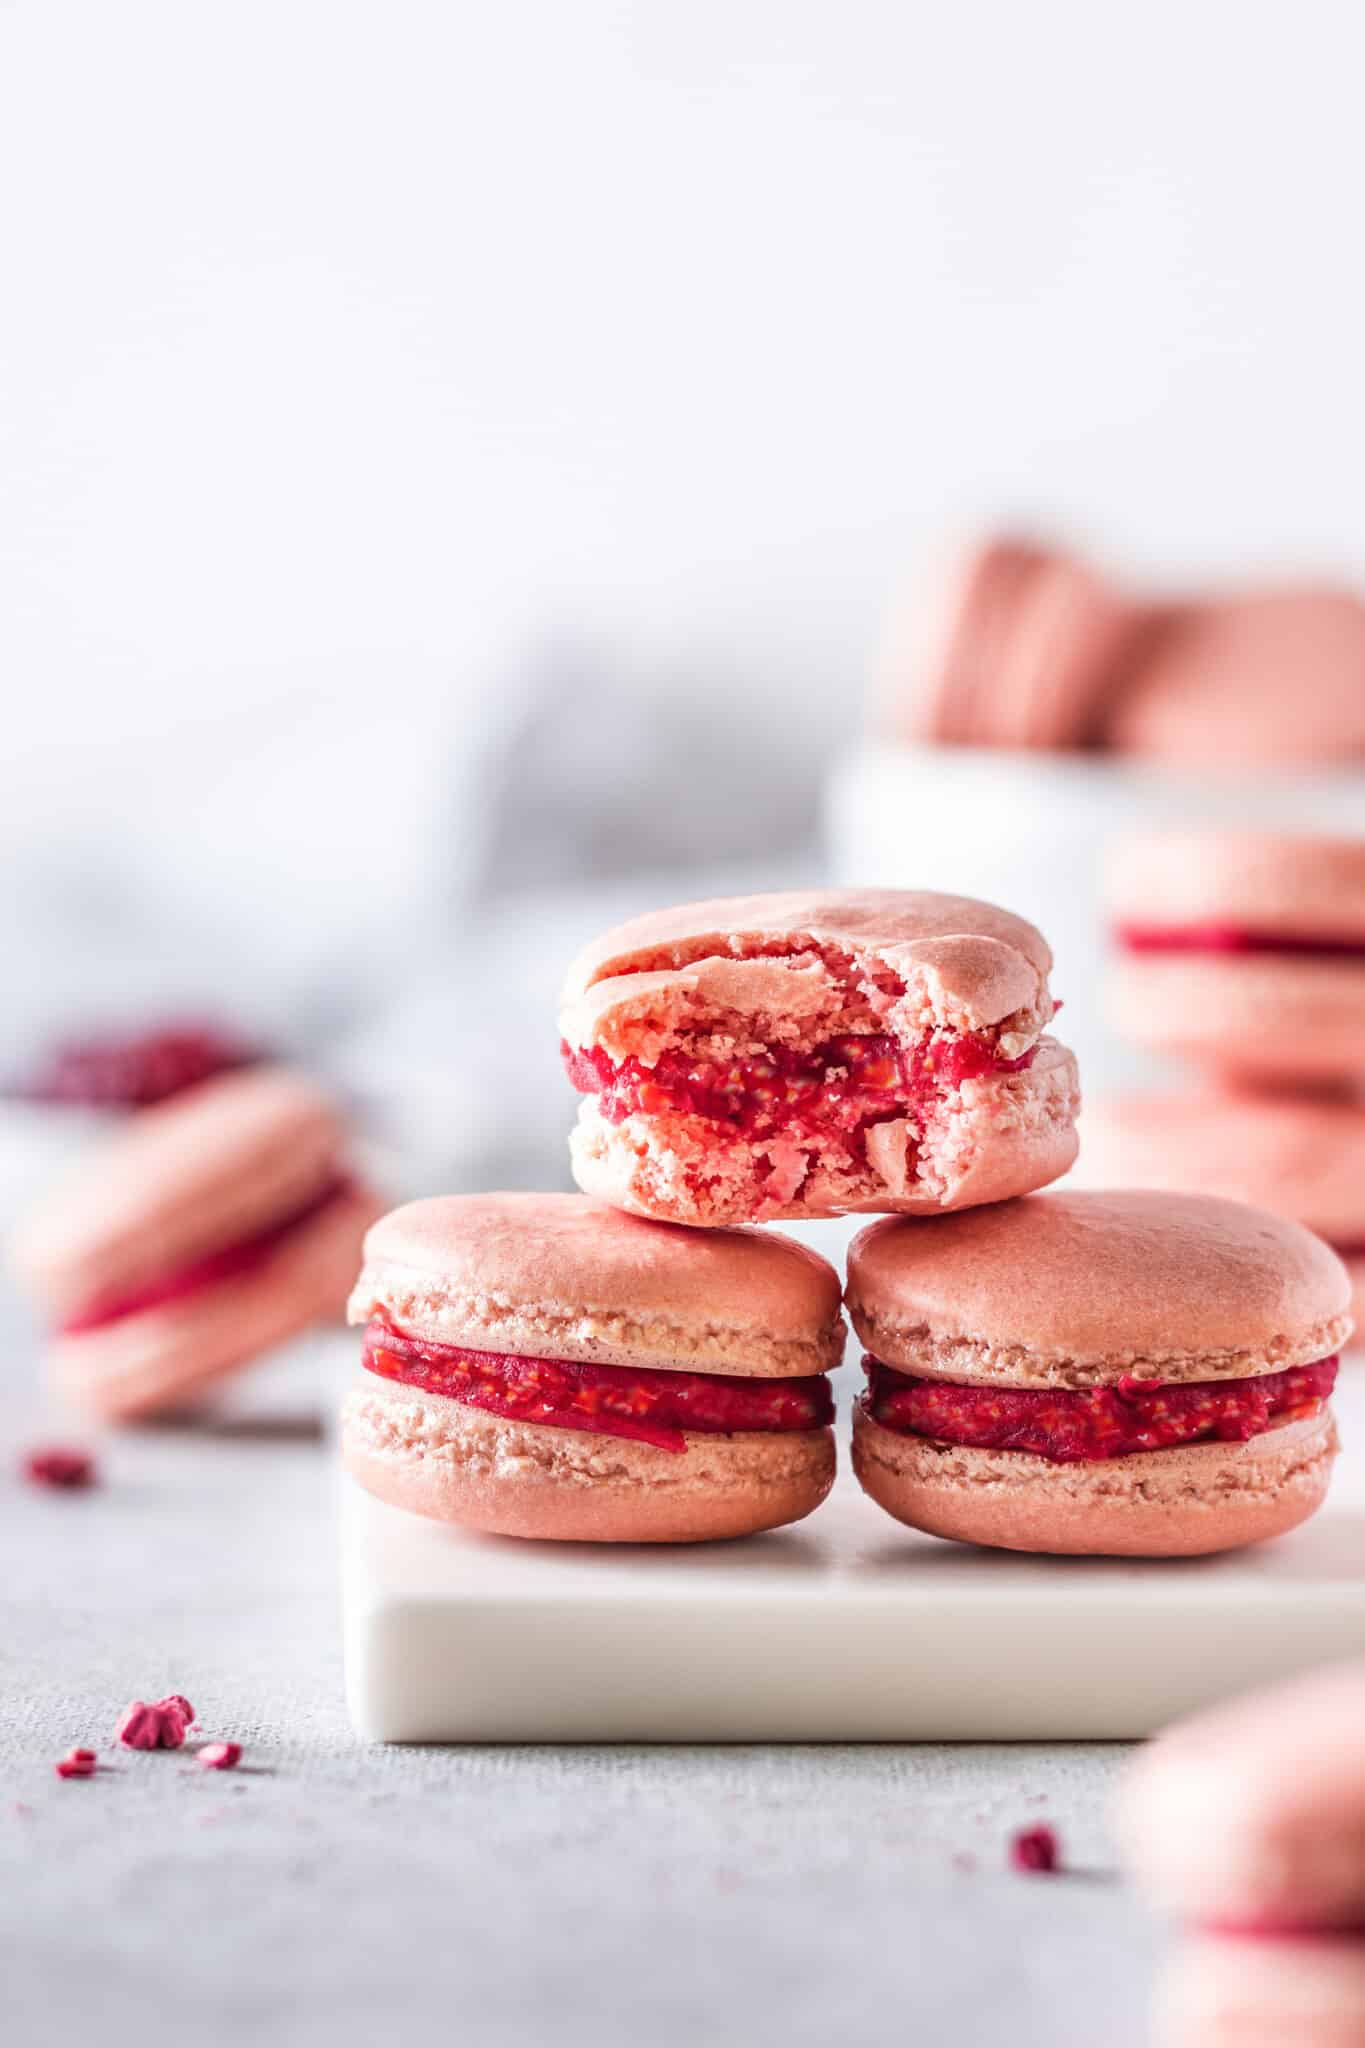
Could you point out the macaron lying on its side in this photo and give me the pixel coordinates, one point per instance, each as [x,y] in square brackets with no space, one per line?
[1300,1155]
[798,1055]
[1134,1374]
[204,1232]
[1245,951]
[535,1365]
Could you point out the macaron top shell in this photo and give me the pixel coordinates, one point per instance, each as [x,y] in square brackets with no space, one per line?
[1297,886]
[556,1275]
[1076,1289]
[200,1172]
[1254,1812]
[975,963]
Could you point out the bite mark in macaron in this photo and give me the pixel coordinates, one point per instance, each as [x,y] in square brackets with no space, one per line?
[796,1056]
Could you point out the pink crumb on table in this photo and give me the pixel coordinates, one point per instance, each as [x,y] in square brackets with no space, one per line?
[220,1756]
[160,1725]
[77,1763]
[61,1468]
[1035,1849]
[178,1715]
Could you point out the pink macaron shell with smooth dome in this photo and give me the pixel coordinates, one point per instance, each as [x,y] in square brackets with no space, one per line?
[1077,1288]
[556,1275]
[204,1171]
[1298,885]
[1257,679]
[170,1356]
[1253,1813]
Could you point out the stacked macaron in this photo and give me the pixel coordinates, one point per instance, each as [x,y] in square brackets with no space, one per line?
[205,1231]
[1139,1374]
[1245,955]
[1248,1823]
[637,1363]
[1127,1374]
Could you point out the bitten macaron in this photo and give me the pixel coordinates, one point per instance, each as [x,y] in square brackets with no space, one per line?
[536,1365]
[204,1232]
[1302,1155]
[806,1055]
[1244,951]
[1134,1374]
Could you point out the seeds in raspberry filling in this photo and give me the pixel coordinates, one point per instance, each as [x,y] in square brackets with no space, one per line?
[839,1087]
[647,1404]
[1070,1425]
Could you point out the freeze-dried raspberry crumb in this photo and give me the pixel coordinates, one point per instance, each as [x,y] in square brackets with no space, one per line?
[77,1763]
[140,1727]
[59,1467]
[177,1714]
[220,1756]
[161,1725]
[1035,1849]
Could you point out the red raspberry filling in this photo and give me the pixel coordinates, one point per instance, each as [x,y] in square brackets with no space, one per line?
[1070,1424]
[131,1073]
[839,1088]
[227,1264]
[1234,938]
[640,1402]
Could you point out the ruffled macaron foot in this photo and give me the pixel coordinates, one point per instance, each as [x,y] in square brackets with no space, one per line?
[1124,1374]
[538,1366]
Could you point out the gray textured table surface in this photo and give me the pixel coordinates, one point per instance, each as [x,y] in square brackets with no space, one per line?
[342,1895]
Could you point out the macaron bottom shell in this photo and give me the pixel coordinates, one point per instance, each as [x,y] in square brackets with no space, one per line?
[1224,1990]
[1187,1502]
[438,1457]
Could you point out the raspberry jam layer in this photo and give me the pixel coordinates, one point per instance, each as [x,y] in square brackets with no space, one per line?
[1070,1425]
[132,1073]
[640,1402]
[838,1088]
[227,1264]
[1235,938]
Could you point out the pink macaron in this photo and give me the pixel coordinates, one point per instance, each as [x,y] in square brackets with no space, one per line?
[1248,1823]
[1271,678]
[1016,648]
[1243,950]
[535,1365]
[806,1055]
[1251,1815]
[206,1231]
[1130,1374]
[1301,1155]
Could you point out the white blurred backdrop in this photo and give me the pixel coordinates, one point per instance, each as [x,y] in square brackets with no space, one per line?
[451,451]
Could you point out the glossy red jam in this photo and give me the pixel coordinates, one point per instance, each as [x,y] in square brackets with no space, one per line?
[226,1264]
[132,1073]
[1233,938]
[1072,1424]
[640,1402]
[841,1086]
